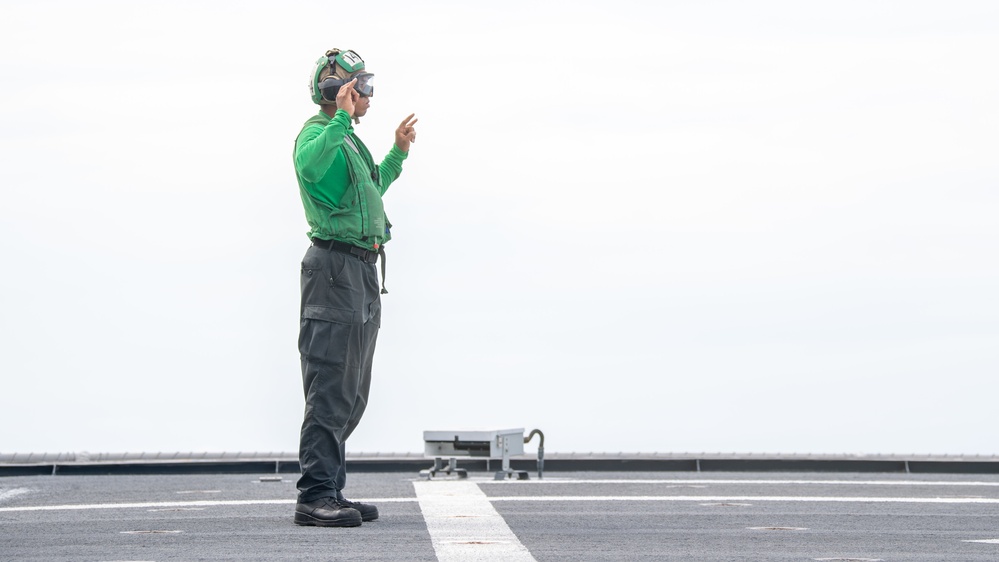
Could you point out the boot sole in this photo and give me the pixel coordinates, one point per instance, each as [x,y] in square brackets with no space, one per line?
[309,521]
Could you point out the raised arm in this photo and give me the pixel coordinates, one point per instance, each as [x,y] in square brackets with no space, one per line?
[318,147]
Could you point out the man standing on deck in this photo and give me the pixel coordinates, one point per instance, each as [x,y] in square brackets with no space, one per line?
[341,189]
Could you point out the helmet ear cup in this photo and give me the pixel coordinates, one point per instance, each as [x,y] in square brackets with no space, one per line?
[329,87]
[326,81]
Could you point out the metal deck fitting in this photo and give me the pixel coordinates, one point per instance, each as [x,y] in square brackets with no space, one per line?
[498,444]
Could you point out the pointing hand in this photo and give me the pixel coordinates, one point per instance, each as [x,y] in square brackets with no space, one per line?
[405,134]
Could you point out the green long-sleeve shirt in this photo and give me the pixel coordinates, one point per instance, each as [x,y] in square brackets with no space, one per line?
[324,175]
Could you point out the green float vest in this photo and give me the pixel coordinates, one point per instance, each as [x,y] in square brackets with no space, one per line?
[360,218]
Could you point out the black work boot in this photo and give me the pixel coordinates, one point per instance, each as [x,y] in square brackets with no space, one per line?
[326,512]
[368,511]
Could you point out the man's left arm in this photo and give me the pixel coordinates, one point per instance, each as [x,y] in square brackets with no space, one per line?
[391,166]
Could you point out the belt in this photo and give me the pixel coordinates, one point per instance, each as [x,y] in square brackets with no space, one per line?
[367,256]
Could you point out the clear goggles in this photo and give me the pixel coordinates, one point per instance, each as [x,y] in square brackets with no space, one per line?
[365,84]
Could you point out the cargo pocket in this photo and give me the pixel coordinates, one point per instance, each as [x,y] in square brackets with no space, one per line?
[319,274]
[324,334]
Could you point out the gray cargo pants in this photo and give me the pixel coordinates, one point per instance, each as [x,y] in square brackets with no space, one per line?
[340,316]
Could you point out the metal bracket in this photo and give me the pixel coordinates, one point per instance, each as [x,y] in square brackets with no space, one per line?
[451,468]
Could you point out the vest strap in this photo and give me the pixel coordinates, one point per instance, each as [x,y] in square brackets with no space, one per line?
[381,256]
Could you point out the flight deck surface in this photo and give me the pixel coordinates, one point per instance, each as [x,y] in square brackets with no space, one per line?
[565,516]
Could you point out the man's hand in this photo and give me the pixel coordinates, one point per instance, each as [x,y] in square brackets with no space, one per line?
[346,96]
[406,134]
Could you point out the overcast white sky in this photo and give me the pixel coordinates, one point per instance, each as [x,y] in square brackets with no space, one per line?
[638,226]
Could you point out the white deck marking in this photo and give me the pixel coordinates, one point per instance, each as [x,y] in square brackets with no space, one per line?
[616,498]
[189,504]
[7,493]
[986,541]
[805,499]
[464,525]
[780,482]
[850,559]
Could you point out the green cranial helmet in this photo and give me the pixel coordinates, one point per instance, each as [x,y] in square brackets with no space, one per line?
[336,68]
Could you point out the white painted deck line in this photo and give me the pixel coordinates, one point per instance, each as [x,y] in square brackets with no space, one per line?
[616,498]
[803,499]
[202,503]
[464,525]
[779,482]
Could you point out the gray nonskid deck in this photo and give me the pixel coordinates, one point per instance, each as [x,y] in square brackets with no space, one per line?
[567,516]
